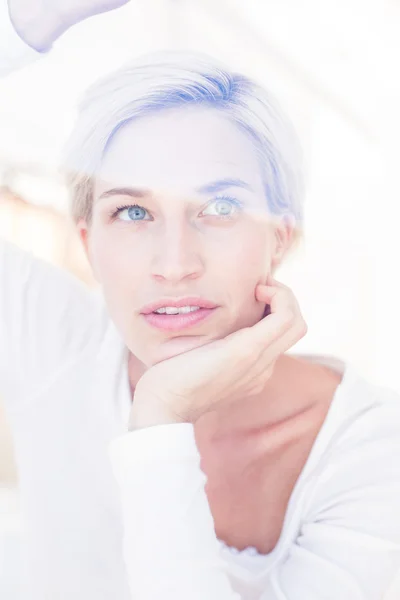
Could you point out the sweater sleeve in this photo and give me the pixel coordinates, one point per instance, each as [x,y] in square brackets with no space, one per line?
[170,547]
[48,319]
[14,52]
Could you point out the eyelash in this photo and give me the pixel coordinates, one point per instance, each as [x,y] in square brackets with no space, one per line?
[115,212]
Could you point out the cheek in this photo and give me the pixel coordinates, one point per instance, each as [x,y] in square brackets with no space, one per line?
[118,268]
[246,265]
[249,257]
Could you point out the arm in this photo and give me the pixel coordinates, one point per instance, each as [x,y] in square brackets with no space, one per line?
[170,546]
[348,546]
[35,22]
[46,315]
[28,28]
[47,319]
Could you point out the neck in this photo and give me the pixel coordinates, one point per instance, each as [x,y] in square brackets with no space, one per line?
[285,395]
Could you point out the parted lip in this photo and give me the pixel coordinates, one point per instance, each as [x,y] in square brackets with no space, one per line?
[178,302]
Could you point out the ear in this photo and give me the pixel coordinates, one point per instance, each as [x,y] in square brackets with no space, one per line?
[284,236]
[83,232]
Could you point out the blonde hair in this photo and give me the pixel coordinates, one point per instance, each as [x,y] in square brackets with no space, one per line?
[169,79]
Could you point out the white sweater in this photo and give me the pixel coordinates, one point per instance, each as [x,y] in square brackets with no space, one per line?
[117,515]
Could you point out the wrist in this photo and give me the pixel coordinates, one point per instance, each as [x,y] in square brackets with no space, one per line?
[36,23]
[146,412]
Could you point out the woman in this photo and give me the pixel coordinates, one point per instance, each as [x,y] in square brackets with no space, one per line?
[166,455]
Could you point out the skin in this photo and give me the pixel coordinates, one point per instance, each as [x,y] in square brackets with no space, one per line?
[179,245]
[41,22]
[181,251]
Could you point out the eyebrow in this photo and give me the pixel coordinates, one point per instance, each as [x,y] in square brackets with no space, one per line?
[208,188]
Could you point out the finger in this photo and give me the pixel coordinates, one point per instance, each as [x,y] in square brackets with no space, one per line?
[267,358]
[270,285]
[278,297]
[283,343]
[250,343]
[263,363]
[285,300]
[285,315]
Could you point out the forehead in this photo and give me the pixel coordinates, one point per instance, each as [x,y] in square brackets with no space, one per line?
[179,149]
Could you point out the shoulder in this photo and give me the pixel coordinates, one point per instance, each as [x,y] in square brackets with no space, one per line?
[348,535]
[358,474]
[369,413]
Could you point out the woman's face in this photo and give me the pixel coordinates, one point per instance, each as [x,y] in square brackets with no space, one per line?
[201,227]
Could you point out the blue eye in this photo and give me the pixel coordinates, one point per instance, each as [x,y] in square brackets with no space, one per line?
[224,204]
[133,212]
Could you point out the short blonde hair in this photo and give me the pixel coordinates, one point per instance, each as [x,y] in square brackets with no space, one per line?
[169,79]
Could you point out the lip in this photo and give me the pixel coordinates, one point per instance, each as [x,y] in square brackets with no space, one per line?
[178,322]
[178,303]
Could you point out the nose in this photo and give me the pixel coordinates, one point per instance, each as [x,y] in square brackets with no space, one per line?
[177,254]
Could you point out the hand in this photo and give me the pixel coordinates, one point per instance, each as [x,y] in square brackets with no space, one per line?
[71,12]
[184,387]
[40,22]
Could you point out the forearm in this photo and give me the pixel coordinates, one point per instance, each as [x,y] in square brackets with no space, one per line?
[35,22]
[170,546]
